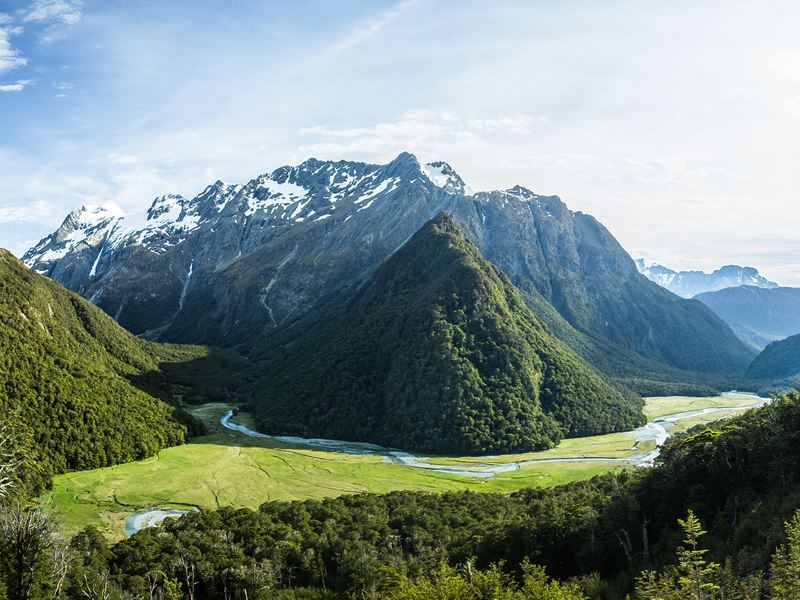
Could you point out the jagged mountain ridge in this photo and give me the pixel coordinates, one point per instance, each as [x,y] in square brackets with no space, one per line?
[689,284]
[239,261]
[438,353]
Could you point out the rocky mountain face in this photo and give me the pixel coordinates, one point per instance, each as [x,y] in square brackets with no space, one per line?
[438,353]
[757,315]
[690,283]
[243,262]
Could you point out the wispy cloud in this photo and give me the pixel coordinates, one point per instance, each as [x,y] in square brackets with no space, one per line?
[787,65]
[55,15]
[428,132]
[30,213]
[10,57]
[17,86]
[61,88]
[363,31]
[64,11]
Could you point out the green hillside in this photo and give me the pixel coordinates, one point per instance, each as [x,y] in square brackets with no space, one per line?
[439,353]
[66,372]
[780,361]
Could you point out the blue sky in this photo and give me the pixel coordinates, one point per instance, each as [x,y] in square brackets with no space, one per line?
[677,124]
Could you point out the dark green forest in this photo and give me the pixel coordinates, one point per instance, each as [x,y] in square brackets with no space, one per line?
[72,381]
[439,353]
[715,519]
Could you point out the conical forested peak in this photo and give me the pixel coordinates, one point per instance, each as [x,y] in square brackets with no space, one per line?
[443,231]
[439,353]
[438,259]
[443,223]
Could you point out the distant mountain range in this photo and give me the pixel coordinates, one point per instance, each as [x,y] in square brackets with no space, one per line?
[757,315]
[252,265]
[690,283]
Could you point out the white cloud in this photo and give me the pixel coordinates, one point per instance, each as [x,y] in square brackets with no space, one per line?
[787,65]
[27,213]
[123,159]
[64,11]
[10,57]
[61,88]
[18,86]
[430,133]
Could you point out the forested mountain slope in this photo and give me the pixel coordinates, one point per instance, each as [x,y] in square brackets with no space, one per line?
[780,361]
[65,380]
[757,315]
[439,353]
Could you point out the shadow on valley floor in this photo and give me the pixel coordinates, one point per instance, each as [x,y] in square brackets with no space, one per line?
[198,377]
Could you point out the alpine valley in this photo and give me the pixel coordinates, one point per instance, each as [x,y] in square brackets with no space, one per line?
[238,265]
[351,380]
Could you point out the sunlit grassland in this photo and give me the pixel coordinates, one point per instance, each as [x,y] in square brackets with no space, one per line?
[230,469]
[666,405]
[226,468]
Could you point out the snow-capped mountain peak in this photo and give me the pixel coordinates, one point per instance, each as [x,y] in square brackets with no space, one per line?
[442,175]
[93,213]
[166,208]
[313,190]
[226,222]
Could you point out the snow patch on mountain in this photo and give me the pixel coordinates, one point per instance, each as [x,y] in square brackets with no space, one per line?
[386,186]
[443,176]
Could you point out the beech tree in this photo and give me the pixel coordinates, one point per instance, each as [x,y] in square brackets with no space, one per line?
[8,462]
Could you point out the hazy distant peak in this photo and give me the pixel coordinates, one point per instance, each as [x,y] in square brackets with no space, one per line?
[690,283]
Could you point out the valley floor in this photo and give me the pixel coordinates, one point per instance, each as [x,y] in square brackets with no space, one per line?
[230,468]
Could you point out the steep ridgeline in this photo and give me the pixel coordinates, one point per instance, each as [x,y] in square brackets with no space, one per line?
[690,283]
[779,361]
[439,353]
[757,315]
[65,390]
[241,261]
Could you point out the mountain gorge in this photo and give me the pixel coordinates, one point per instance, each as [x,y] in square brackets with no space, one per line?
[439,353]
[238,264]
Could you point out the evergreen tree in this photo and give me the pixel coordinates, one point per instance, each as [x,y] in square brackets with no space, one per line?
[785,581]
[694,577]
